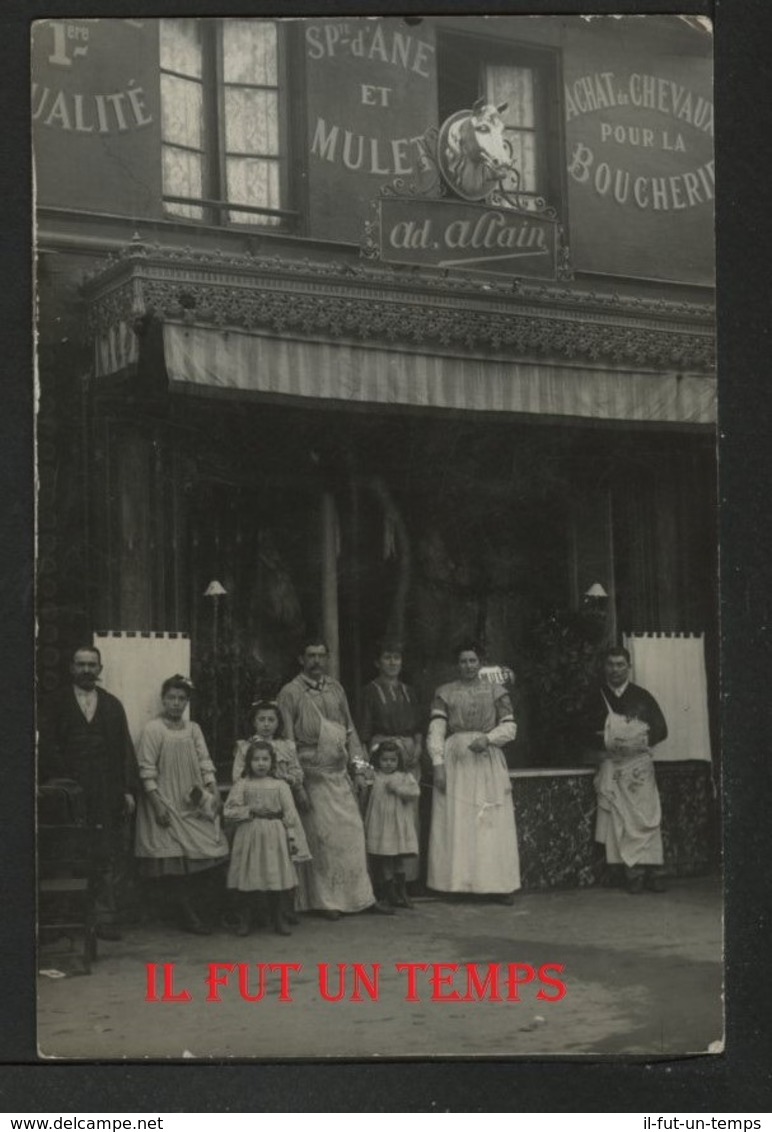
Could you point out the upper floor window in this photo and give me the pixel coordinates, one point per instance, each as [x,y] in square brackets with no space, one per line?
[223,122]
[523,79]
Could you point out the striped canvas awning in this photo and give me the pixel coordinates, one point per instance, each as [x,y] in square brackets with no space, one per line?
[247,362]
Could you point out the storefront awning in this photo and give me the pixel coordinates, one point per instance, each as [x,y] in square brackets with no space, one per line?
[352,374]
[360,334]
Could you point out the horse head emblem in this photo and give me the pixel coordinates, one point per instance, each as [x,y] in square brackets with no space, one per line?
[473,154]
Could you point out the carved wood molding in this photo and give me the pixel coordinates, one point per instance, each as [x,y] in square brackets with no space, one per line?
[336,300]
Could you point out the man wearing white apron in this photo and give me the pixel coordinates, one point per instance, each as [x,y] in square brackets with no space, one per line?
[624,723]
[316,717]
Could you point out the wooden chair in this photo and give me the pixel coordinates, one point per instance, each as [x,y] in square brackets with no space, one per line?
[66,886]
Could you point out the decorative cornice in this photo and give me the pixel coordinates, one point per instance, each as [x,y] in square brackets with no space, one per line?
[358,301]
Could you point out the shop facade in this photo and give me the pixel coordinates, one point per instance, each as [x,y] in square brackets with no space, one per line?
[396,391]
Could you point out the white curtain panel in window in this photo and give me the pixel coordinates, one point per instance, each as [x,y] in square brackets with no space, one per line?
[672,668]
[515,87]
[182,112]
[180,46]
[255,182]
[251,121]
[250,52]
[183,177]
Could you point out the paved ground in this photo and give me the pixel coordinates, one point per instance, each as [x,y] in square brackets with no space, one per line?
[643,976]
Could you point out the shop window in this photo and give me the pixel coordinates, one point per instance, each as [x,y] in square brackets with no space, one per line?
[224,135]
[526,80]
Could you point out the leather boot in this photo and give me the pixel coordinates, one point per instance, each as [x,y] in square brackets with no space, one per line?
[382,893]
[288,906]
[280,925]
[382,908]
[391,893]
[190,919]
[402,900]
[242,915]
[634,878]
[654,881]
[506,898]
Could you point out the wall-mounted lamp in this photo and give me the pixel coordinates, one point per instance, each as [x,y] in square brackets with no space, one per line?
[215,591]
[595,611]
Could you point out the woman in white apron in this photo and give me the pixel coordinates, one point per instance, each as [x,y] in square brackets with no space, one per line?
[473,840]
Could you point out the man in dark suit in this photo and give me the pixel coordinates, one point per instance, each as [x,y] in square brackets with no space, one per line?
[83,735]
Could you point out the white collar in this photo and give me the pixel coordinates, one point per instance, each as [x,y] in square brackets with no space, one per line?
[619,692]
[314,685]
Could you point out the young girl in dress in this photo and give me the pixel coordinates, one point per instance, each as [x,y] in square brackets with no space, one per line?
[267,725]
[389,823]
[269,838]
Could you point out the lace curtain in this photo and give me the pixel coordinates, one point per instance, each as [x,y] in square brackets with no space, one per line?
[515,87]
[248,110]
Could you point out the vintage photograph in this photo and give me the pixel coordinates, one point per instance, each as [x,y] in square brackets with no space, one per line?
[377,596]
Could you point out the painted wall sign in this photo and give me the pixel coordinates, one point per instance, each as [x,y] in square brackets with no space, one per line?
[455,235]
[95,114]
[371,88]
[641,170]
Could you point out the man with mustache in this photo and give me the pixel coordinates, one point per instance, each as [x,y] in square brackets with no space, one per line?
[83,736]
[317,719]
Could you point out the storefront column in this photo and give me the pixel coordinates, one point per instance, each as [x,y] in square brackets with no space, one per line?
[611,617]
[133,531]
[329,524]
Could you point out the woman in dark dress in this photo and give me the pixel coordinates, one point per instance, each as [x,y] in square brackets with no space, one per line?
[390,710]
